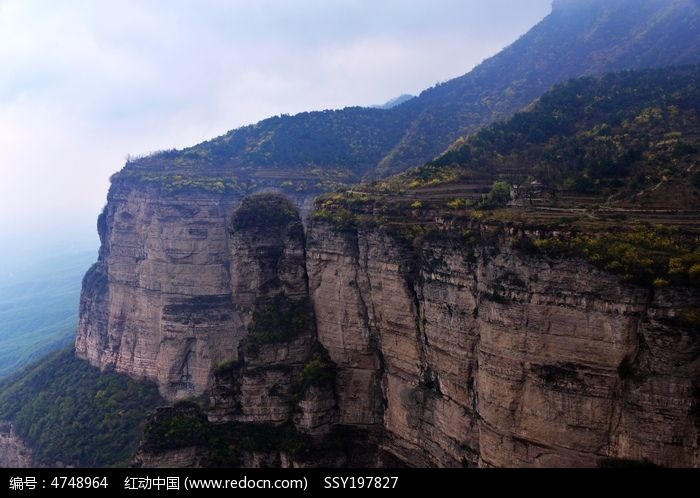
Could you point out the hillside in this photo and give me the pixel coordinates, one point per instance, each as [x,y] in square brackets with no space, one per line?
[321,151]
[628,139]
[71,414]
[579,38]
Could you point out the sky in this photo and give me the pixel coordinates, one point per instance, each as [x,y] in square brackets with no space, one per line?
[84,83]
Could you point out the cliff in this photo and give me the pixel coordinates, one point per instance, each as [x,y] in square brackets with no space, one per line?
[14,453]
[451,350]
[491,330]
[486,355]
[148,305]
[158,304]
[273,401]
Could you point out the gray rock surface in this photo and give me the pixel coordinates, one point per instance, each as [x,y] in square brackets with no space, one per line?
[14,453]
[491,357]
[452,353]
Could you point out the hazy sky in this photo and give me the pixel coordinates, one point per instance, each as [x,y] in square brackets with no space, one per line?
[83,83]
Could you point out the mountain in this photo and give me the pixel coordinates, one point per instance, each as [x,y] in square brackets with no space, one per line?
[165,228]
[626,140]
[579,37]
[437,318]
[319,151]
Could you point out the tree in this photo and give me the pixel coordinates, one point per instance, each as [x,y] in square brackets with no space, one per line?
[498,197]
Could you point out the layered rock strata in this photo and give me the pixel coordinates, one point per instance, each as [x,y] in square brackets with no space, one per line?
[158,303]
[486,356]
[441,351]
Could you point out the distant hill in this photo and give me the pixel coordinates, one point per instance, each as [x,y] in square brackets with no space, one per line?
[395,102]
[320,151]
[39,308]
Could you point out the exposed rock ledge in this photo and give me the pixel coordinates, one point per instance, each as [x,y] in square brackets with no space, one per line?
[453,352]
[14,453]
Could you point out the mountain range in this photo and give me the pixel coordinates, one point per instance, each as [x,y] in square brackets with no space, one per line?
[322,150]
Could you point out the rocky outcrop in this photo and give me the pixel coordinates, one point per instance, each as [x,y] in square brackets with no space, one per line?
[478,354]
[270,291]
[14,453]
[457,349]
[158,304]
[277,391]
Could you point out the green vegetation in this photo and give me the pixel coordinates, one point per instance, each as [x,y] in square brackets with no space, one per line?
[179,426]
[279,318]
[374,142]
[185,425]
[69,412]
[632,135]
[39,308]
[228,367]
[180,182]
[186,181]
[345,210]
[158,171]
[318,150]
[224,445]
[340,217]
[644,255]
[458,203]
[318,371]
[425,177]
[264,211]
[497,198]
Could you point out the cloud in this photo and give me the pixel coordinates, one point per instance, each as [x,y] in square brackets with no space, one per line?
[84,83]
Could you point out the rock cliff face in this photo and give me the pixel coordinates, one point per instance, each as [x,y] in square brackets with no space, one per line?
[487,356]
[158,303]
[270,290]
[450,351]
[14,453]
